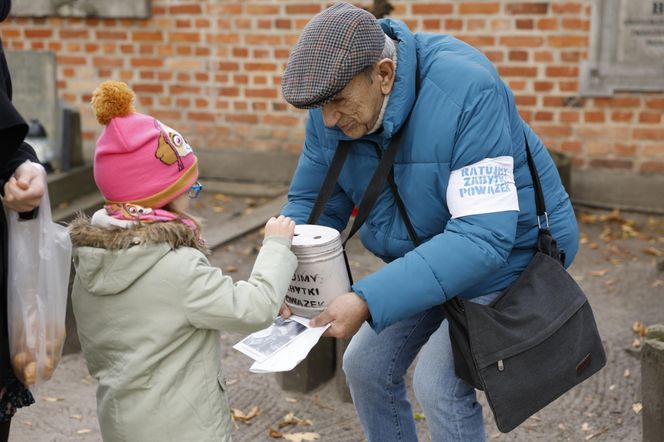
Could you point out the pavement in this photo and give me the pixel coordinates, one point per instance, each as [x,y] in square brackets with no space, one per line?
[620,267]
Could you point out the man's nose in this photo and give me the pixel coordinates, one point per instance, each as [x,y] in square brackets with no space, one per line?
[330,115]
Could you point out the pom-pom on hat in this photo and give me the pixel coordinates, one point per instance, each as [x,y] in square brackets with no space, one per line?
[335,46]
[138,160]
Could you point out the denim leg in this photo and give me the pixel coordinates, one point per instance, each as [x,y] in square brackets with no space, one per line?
[449,404]
[375,367]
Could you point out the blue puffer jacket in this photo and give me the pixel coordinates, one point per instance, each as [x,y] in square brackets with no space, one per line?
[462,114]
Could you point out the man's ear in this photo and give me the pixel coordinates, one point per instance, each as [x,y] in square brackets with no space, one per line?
[387,72]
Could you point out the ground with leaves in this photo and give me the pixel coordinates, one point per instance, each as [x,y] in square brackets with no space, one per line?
[620,266]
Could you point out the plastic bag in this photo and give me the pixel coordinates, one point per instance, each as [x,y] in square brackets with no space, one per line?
[37,285]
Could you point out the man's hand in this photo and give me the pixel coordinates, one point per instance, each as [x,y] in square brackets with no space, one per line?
[346,315]
[24,190]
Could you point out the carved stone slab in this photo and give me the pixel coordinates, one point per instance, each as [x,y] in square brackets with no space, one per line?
[82,8]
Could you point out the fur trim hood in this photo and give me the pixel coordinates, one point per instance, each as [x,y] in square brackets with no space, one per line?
[85,234]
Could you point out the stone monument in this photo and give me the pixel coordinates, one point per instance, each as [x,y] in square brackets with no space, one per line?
[82,8]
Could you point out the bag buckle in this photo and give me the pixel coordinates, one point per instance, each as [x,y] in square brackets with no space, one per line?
[546,219]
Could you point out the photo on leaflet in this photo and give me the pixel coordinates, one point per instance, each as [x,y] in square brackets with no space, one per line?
[264,343]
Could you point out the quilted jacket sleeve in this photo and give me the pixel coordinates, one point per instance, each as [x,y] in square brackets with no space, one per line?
[471,246]
[214,301]
[306,183]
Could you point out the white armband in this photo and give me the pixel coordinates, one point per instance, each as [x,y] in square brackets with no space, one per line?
[484,187]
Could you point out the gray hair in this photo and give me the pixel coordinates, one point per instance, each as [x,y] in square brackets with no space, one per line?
[389,51]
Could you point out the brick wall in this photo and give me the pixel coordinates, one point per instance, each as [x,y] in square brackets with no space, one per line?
[212,70]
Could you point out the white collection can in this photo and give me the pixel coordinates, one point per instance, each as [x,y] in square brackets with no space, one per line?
[321,273]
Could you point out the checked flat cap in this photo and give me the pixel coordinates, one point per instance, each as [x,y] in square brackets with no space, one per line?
[335,46]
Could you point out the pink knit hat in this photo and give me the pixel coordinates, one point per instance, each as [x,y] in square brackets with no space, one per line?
[138,160]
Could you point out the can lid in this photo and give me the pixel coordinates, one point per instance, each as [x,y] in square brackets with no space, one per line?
[311,239]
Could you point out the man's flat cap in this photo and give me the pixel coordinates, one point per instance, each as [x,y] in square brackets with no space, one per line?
[335,46]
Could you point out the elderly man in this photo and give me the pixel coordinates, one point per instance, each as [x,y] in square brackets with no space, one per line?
[367,80]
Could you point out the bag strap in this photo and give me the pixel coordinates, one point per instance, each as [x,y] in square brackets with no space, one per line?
[537,187]
[329,182]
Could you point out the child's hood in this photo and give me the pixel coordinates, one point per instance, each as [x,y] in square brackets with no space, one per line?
[109,260]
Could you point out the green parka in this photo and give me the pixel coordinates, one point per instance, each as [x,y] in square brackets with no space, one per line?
[149,308]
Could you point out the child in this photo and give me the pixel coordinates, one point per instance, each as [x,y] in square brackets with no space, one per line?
[148,304]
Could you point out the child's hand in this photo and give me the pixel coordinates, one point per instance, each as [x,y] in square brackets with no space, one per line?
[282,226]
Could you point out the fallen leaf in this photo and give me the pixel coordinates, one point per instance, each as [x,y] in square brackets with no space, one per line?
[291,419]
[585,426]
[220,197]
[562,427]
[299,437]
[495,435]
[652,251]
[27,423]
[52,399]
[657,283]
[602,272]
[78,417]
[250,202]
[231,381]
[419,416]
[616,261]
[239,415]
[588,218]
[637,407]
[230,269]
[84,431]
[292,400]
[593,245]
[612,387]
[218,209]
[639,328]
[274,434]
[626,374]
[636,343]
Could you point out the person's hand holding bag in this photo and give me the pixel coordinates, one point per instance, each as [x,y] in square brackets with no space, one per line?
[24,190]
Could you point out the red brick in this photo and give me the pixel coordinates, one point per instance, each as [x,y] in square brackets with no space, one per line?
[304,8]
[38,33]
[543,56]
[518,56]
[229,91]
[568,86]
[242,118]
[525,100]
[495,56]
[475,24]
[37,45]
[527,8]
[453,24]
[283,23]
[553,101]
[64,59]
[562,71]
[184,50]
[572,56]
[516,85]
[201,116]
[264,24]
[652,167]
[650,117]
[182,24]
[261,93]
[547,24]
[566,8]
[281,120]
[260,66]
[223,38]
[553,130]
[182,89]
[543,116]
[653,150]
[189,37]
[649,134]
[625,149]
[622,116]
[147,75]
[630,102]
[56,46]
[543,86]
[259,39]
[571,146]
[147,62]
[147,36]
[432,24]
[524,23]
[521,41]
[225,9]
[607,163]
[107,62]
[517,71]
[73,33]
[254,9]
[594,117]
[655,103]
[148,88]
[569,117]
[568,41]
[479,8]
[432,8]
[477,40]
[111,35]
[191,8]
[576,24]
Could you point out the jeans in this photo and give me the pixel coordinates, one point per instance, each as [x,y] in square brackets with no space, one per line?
[375,367]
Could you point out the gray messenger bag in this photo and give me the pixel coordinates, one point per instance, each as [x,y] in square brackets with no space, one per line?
[536,341]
